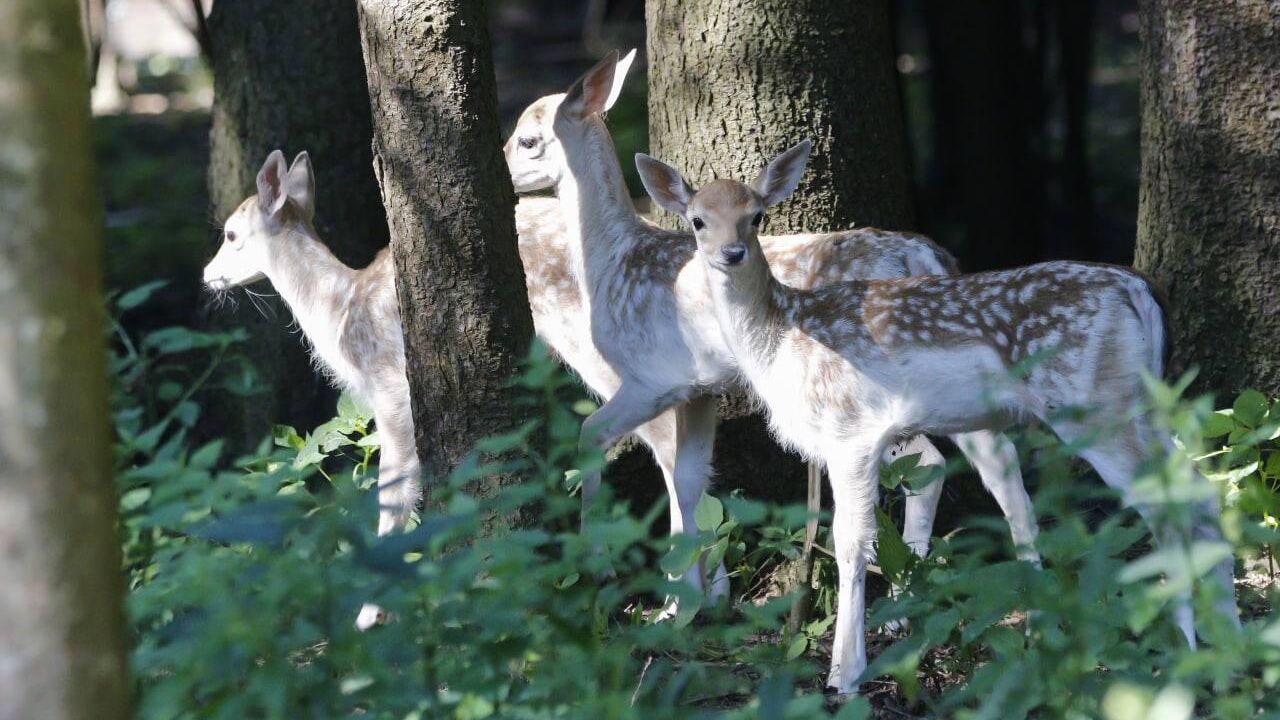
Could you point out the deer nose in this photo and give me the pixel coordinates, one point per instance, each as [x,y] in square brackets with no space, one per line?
[733,254]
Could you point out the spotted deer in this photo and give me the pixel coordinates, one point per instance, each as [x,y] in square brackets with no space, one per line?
[635,317]
[847,369]
[350,318]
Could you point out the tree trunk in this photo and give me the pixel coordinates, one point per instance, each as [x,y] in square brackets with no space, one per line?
[1208,227]
[288,75]
[985,89]
[62,645]
[450,207]
[732,84]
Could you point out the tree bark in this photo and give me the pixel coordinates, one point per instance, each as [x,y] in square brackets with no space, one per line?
[1208,225]
[62,644]
[450,207]
[731,84]
[288,75]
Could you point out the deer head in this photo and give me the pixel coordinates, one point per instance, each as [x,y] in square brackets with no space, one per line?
[285,198]
[725,214]
[534,155]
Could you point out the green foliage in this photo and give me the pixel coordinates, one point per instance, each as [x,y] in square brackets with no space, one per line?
[1092,634]
[245,575]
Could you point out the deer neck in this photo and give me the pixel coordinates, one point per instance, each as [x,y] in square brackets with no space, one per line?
[748,308]
[315,285]
[593,196]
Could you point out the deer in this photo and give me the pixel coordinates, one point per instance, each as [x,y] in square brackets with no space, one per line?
[847,369]
[651,348]
[350,318]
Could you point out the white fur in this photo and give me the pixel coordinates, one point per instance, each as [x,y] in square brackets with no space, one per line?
[877,381]
[653,349]
[350,317]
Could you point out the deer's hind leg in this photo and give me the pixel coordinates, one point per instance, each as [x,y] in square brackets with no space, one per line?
[995,458]
[1117,454]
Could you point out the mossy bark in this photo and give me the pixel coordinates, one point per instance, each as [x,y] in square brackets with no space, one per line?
[62,639]
[450,208]
[731,84]
[288,75]
[1208,224]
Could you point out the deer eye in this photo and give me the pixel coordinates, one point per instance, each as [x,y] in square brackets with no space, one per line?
[697,223]
[528,142]
[231,238]
[759,218]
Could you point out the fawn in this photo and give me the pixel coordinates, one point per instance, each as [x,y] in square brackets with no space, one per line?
[848,369]
[350,317]
[654,351]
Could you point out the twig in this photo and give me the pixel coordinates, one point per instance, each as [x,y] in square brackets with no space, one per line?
[648,661]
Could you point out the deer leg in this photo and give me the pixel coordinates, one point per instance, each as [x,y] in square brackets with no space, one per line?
[921,506]
[1116,455]
[996,460]
[695,440]
[631,406]
[854,486]
[399,482]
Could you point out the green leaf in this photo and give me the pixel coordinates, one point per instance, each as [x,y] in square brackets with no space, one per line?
[892,552]
[797,647]
[857,708]
[135,498]
[286,436]
[1250,408]
[371,440]
[709,513]
[354,684]
[351,409]
[567,581]
[139,295]
[682,555]
[1218,424]
[206,456]
[187,413]
[585,407]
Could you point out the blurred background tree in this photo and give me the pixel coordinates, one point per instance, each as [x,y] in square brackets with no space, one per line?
[62,637]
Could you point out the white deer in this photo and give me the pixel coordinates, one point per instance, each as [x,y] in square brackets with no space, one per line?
[848,369]
[352,320]
[350,317]
[634,314]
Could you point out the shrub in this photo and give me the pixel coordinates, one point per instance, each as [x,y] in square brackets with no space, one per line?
[245,575]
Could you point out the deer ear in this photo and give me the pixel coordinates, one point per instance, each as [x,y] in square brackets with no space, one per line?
[664,184]
[781,177]
[271,189]
[300,185]
[590,94]
[619,75]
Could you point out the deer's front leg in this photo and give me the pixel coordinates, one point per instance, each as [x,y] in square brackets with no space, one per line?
[854,487]
[695,442]
[399,481]
[631,406]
